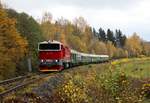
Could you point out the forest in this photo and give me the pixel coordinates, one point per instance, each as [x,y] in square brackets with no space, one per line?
[20,34]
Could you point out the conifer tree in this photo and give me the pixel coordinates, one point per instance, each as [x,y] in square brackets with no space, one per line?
[102,35]
[110,36]
[120,39]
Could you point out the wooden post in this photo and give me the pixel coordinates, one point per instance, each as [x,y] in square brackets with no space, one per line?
[29,65]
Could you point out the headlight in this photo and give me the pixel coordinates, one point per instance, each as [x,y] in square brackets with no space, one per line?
[42,60]
[56,60]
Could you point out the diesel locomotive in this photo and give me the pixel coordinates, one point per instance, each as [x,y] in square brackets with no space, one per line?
[55,56]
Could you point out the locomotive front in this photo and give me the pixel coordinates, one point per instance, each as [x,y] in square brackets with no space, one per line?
[51,56]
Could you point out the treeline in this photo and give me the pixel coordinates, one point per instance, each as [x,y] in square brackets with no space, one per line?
[82,37]
[20,34]
[13,47]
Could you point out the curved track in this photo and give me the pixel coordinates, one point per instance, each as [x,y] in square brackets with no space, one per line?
[12,85]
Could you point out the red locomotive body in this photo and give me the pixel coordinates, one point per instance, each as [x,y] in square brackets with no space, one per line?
[53,56]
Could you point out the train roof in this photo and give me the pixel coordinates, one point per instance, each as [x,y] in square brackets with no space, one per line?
[53,41]
[74,51]
[85,54]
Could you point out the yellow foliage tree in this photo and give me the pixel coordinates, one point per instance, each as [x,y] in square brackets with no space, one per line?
[133,45]
[76,43]
[12,46]
[146,48]
[111,49]
[120,53]
[98,47]
[48,30]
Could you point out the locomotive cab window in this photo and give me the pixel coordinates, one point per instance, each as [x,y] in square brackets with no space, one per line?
[49,47]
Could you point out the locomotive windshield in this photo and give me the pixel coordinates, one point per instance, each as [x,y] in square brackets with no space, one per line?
[49,47]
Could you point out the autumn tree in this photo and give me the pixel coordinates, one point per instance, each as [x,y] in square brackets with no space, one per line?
[146,48]
[120,53]
[76,44]
[47,17]
[48,28]
[63,30]
[80,23]
[111,49]
[29,28]
[99,48]
[133,45]
[13,47]
[88,36]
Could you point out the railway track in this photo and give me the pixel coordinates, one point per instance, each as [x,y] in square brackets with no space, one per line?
[12,85]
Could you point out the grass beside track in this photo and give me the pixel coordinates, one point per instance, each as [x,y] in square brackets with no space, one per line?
[137,67]
[121,81]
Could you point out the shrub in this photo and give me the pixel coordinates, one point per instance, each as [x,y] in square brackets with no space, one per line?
[146,90]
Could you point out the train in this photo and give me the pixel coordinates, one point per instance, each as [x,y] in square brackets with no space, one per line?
[55,56]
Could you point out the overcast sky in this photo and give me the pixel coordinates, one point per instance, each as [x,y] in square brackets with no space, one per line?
[128,15]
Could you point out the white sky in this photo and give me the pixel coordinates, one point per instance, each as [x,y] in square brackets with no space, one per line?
[128,15]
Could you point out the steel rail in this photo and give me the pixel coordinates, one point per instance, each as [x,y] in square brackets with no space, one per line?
[8,81]
[21,86]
